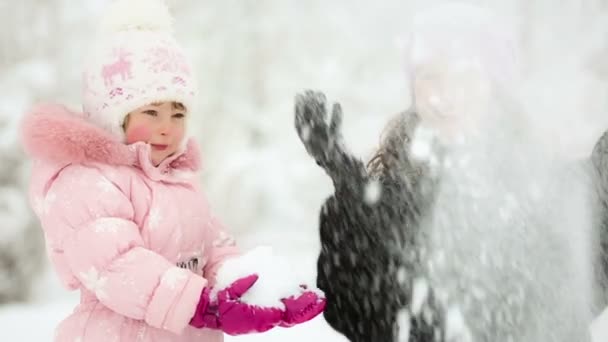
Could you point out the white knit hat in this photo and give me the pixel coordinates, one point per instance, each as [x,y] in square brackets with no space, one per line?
[135,61]
[458,55]
[463,34]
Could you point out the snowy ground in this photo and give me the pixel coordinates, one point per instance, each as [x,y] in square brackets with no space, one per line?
[17,321]
[36,321]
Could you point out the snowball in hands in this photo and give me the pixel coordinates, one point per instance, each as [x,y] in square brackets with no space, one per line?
[275,281]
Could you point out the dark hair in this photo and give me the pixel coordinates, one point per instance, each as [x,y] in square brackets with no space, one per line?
[394,150]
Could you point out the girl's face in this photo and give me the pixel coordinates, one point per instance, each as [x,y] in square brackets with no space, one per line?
[162,125]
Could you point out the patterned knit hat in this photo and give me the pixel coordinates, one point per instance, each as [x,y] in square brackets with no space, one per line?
[135,61]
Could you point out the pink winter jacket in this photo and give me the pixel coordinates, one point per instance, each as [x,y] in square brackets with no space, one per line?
[138,241]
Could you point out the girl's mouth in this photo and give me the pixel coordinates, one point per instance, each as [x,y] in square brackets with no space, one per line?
[159,147]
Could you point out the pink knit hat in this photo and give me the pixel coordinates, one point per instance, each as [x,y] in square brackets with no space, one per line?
[135,61]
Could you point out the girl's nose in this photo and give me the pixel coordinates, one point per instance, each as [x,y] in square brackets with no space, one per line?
[165,127]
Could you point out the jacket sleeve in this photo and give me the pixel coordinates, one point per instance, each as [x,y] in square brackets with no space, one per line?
[91,221]
[347,172]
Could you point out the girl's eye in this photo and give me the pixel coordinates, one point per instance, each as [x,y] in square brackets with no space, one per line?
[150,112]
[179,115]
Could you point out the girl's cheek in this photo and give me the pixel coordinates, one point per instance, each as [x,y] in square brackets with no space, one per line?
[138,133]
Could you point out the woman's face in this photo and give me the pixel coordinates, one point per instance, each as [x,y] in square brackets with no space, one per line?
[451,97]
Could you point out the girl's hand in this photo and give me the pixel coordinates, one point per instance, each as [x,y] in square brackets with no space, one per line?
[231,315]
[302,308]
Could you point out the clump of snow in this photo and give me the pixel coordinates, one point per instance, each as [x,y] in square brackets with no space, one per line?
[401,275]
[276,278]
[422,143]
[599,327]
[372,192]
[403,325]
[420,294]
[456,328]
[306,132]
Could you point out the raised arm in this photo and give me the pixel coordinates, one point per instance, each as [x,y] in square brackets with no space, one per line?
[322,139]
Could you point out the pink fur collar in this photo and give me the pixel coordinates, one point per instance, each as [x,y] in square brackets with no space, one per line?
[54,133]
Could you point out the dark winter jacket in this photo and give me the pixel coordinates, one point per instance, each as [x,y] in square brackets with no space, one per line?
[365,227]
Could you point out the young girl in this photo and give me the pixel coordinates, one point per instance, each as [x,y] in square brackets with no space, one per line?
[124,221]
[438,238]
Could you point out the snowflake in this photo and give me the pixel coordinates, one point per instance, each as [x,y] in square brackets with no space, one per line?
[141,333]
[110,174]
[94,282]
[403,325]
[172,277]
[154,218]
[105,226]
[48,202]
[104,186]
[373,190]
[224,240]
[420,294]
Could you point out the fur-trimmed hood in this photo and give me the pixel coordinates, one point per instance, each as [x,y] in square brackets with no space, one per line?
[55,134]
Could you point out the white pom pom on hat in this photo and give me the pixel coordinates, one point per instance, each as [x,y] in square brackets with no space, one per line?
[149,15]
[135,61]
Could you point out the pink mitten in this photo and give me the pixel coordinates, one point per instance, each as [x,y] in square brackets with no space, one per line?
[302,308]
[234,317]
